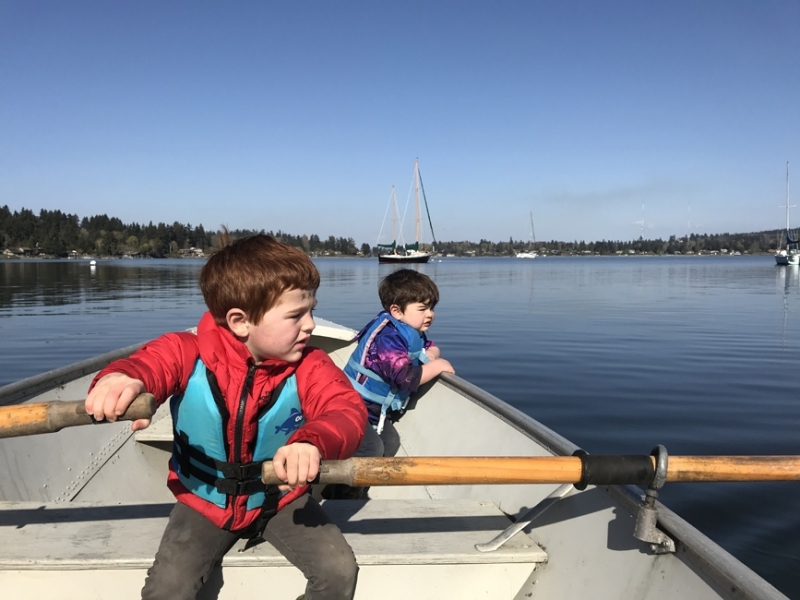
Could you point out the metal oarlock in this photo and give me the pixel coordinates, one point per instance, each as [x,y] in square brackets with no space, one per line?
[647,518]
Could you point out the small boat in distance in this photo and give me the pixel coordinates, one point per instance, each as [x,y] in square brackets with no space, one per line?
[530,253]
[407,253]
[789,256]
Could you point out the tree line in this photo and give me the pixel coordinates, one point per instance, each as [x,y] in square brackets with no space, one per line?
[58,234]
[745,243]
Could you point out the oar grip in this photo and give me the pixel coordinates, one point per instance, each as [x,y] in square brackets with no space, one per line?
[49,417]
[330,471]
[66,414]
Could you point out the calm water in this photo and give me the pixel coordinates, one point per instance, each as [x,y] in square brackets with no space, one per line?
[618,354]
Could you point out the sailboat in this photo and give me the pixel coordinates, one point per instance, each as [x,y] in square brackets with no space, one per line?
[531,253]
[408,253]
[790,256]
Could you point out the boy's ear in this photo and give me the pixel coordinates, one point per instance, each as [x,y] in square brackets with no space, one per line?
[237,322]
[395,311]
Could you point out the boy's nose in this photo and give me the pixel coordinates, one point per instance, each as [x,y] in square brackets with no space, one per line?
[308,323]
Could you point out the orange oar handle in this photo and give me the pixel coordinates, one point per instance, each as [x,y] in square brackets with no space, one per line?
[603,470]
[47,417]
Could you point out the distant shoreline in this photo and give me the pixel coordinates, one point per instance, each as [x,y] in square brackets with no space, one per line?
[433,258]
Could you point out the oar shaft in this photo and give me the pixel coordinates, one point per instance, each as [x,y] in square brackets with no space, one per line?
[464,470]
[48,417]
[614,470]
[445,470]
[733,468]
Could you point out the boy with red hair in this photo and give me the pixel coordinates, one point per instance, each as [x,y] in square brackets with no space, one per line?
[244,390]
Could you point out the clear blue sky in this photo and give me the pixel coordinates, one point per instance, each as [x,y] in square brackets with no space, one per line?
[301,115]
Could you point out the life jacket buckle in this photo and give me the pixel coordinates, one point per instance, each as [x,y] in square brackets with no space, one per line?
[241,471]
[234,487]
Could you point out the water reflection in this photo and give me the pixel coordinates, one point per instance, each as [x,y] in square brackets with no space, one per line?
[49,284]
[788,278]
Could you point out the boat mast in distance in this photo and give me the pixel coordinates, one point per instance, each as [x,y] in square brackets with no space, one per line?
[531,253]
[790,255]
[408,253]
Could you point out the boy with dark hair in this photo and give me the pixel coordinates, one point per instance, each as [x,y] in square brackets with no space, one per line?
[394,357]
[245,389]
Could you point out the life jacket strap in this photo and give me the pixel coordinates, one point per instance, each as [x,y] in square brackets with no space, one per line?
[358,367]
[389,401]
[238,479]
[232,487]
[268,510]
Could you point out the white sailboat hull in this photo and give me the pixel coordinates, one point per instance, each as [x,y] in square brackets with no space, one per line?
[409,257]
[787,258]
[82,510]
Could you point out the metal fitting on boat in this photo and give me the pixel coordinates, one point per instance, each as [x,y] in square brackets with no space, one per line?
[647,518]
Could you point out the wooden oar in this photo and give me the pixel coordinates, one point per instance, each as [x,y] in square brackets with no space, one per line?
[47,417]
[592,469]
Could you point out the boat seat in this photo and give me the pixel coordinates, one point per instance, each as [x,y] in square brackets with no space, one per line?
[51,542]
[159,434]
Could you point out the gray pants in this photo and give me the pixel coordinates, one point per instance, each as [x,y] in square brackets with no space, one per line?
[385,444]
[192,546]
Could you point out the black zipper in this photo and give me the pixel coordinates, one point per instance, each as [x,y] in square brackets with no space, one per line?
[239,431]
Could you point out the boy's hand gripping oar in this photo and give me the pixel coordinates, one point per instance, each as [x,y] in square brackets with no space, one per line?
[587,469]
[47,417]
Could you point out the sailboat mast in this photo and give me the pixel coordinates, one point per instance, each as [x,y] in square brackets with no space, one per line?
[394,216]
[787,197]
[416,197]
[533,235]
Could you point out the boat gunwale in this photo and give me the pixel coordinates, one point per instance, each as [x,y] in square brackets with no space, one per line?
[22,390]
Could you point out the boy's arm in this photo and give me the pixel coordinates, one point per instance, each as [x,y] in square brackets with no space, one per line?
[334,412]
[388,357]
[436,367]
[160,367]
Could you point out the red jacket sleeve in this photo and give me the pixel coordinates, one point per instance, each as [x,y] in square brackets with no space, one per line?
[335,413]
[164,365]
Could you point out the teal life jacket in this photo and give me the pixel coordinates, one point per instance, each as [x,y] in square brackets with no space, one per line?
[200,449]
[368,383]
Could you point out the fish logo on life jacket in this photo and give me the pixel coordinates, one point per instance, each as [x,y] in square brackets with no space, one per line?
[292,423]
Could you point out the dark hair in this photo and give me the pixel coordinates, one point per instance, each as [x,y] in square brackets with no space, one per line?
[251,274]
[404,287]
